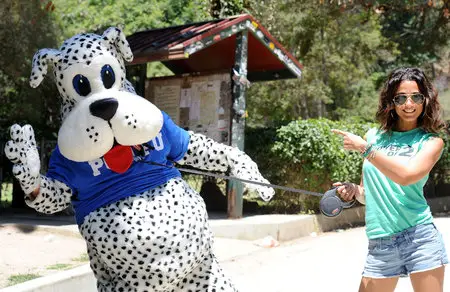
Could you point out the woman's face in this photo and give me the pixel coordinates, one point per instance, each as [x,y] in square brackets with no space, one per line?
[409,111]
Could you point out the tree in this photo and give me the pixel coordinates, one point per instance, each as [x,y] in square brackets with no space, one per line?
[25,27]
[347,48]
[75,16]
[420,30]
[340,50]
[225,8]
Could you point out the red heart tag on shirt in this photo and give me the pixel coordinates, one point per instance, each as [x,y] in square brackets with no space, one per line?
[119,158]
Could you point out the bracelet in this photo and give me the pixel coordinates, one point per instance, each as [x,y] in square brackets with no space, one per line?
[366,151]
[371,155]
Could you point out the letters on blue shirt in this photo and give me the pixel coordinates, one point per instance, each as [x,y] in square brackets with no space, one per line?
[94,185]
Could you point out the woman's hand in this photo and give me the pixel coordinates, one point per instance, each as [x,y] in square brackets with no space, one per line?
[350,191]
[352,141]
[347,191]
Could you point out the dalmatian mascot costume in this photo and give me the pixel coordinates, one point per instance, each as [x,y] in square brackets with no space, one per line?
[145,228]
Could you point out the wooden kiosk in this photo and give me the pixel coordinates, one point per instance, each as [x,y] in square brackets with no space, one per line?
[213,63]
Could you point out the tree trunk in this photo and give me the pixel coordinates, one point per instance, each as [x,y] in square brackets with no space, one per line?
[304,107]
[319,108]
[433,71]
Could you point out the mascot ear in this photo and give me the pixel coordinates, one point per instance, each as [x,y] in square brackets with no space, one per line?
[41,60]
[116,37]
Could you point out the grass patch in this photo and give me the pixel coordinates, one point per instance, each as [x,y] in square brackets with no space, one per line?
[59,267]
[6,195]
[20,278]
[82,258]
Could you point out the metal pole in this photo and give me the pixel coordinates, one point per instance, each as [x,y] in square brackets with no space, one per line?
[239,74]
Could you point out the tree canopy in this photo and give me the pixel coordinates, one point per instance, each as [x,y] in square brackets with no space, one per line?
[25,26]
[75,16]
[347,47]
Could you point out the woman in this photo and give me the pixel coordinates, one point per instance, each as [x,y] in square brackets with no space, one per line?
[398,159]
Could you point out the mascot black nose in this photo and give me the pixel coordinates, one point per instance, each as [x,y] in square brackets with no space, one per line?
[104,108]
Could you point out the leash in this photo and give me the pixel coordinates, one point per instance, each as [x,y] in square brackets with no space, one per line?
[141,158]
[222,176]
[330,204]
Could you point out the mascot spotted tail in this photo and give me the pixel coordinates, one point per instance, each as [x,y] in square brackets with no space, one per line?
[144,227]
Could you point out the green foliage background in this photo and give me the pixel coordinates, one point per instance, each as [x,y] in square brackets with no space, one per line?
[305,154]
[347,49]
[24,27]
[75,16]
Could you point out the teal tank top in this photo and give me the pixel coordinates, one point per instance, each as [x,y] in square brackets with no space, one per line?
[390,207]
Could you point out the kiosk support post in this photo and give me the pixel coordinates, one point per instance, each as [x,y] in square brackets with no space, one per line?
[239,77]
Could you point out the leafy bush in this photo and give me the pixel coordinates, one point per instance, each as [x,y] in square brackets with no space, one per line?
[317,155]
[312,145]
[305,154]
[441,171]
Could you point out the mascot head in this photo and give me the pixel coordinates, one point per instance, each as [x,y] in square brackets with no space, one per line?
[99,106]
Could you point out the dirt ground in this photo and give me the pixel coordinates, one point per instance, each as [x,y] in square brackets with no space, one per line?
[26,250]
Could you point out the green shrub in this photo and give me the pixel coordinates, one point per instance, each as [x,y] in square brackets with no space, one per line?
[319,152]
[441,171]
[305,154]
[315,157]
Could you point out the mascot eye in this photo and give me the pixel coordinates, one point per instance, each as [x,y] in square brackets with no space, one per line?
[108,76]
[81,85]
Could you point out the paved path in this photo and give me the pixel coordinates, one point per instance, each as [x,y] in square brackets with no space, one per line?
[329,262]
[28,251]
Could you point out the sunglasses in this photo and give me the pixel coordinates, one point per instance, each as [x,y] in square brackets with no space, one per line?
[401,99]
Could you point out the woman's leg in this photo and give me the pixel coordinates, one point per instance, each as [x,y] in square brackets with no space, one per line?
[383,267]
[428,281]
[425,258]
[377,285]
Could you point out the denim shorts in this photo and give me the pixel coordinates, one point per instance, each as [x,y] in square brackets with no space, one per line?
[416,249]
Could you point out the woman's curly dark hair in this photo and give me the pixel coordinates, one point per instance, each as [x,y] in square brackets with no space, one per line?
[430,119]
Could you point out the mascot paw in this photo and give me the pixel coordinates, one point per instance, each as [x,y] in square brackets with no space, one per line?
[22,151]
[266,193]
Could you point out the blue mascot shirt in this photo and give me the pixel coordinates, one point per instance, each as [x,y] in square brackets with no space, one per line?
[94,185]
